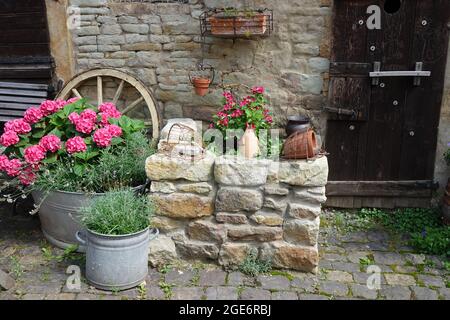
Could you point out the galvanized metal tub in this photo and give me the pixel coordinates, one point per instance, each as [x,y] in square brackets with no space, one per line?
[59,214]
[117,262]
[60,217]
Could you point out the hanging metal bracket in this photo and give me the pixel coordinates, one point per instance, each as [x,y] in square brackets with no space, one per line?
[417,73]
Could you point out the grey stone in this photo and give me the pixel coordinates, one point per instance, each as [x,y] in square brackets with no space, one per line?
[445,293]
[162,251]
[396,293]
[235,279]
[345,266]
[339,276]
[275,189]
[6,281]
[232,199]
[255,294]
[135,38]
[200,188]
[273,282]
[87,40]
[206,230]
[277,204]
[431,281]
[127,19]
[312,195]
[389,258]
[307,285]
[162,187]
[284,295]
[319,64]
[110,39]
[88,31]
[420,293]
[87,296]
[362,291]
[333,288]
[267,218]
[307,296]
[221,293]
[179,277]
[197,249]
[304,173]
[155,293]
[135,28]
[237,171]
[34,296]
[399,279]
[187,293]
[212,278]
[111,29]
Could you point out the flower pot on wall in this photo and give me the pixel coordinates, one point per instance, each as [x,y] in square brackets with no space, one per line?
[248,145]
[201,85]
[238,25]
[301,145]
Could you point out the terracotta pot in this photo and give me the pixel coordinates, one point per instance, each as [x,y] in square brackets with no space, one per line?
[301,145]
[239,25]
[201,85]
[248,145]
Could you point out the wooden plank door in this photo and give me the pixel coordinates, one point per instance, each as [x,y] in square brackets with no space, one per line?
[388,131]
[24,41]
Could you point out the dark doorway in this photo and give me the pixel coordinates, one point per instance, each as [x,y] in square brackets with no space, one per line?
[382,131]
[24,42]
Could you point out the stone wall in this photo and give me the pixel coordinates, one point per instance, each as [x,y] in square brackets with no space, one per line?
[161,43]
[219,208]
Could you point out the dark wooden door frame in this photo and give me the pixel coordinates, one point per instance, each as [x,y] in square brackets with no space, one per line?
[352,60]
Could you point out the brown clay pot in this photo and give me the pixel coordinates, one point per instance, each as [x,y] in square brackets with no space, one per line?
[201,85]
[301,145]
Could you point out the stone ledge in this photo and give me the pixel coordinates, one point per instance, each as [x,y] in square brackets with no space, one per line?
[236,171]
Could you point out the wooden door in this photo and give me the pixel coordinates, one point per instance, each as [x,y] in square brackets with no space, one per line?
[24,41]
[385,130]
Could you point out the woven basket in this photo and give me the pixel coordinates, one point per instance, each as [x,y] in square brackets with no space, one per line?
[301,145]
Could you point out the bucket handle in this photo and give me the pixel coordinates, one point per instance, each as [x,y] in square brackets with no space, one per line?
[154,232]
[80,237]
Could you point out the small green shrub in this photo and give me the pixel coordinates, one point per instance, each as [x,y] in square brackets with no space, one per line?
[447,156]
[252,265]
[118,213]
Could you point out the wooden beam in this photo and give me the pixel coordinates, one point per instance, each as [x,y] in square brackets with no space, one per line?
[118,92]
[412,189]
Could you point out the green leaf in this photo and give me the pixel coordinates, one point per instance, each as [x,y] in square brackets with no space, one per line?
[116,140]
[125,123]
[52,158]
[56,132]
[39,134]
[91,154]
[78,169]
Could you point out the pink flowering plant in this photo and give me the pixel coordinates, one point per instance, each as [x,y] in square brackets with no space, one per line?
[70,136]
[249,112]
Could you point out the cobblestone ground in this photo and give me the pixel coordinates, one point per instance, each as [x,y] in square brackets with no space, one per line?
[39,270]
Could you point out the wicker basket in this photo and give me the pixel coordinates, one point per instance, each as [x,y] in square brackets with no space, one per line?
[301,145]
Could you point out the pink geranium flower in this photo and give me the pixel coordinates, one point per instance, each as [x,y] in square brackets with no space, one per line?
[4,161]
[85,126]
[34,154]
[9,138]
[13,167]
[49,107]
[20,126]
[89,114]
[258,90]
[75,144]
[102,137]
[27,176]
[114,130]
[33,115]
[73,117]
[50,143]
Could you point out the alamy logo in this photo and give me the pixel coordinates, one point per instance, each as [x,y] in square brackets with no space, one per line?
[73,281]
[73,17]
[374,280]
[374,20]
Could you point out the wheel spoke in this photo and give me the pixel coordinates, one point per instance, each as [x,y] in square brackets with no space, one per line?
[133,105]
[118,92]
[99,90]
[76,93]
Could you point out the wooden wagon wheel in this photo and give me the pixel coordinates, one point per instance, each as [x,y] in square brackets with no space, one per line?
[109,85]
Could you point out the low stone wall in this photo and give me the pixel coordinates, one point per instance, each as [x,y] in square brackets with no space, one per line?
[218,208]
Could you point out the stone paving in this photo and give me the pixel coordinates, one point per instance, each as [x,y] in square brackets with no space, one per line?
[39,270]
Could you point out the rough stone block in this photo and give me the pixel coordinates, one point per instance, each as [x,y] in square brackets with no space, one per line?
[163,167]
[289,256]
[200,188]
[233,254]
[313,195]
[237,171]
[276,189]
[275,203]
[197,249]
[6,281]
[162,187]
[303,211]
[304,173]
[254,233]
[206,230]
[237,199]
[232,218]
[162,251]
[268,219]
[166,224]
[301,231]
[183,205]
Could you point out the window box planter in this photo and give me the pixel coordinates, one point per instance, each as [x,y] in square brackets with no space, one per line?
[234,23]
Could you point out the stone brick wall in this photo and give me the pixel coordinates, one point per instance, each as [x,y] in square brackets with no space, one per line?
[161,43]
[219,208]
